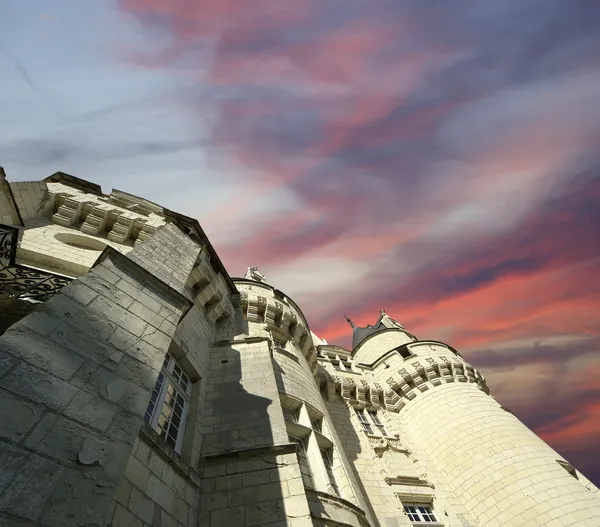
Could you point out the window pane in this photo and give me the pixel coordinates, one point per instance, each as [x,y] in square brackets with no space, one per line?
[167,407]
[316,425]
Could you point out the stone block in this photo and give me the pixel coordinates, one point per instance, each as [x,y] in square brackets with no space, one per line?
[259,477]
[158,492]
[233,481]
[263,513]
[41,352]
[81,293]
[180,510]
[270,491]
[83,499]
[124,518]
[26,481]
[123,492]
[6,361]
[38,385]
[141,506]
[228,517]
[119,316]
[242,496]
[214,500]
[137,473]
[23,414]
[90,410]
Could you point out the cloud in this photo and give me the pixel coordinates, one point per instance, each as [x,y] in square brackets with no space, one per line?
[439,162]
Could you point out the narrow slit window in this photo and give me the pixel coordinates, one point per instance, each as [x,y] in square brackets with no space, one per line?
[305,471]
[327,456]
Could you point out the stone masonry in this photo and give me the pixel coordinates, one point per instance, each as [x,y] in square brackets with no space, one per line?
[155,390]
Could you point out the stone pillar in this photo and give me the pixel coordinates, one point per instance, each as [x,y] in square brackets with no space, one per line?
[75,380]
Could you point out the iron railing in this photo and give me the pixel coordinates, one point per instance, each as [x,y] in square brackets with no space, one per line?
[20,281]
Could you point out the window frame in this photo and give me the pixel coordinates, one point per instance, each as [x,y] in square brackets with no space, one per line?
[364,421]
[316,424]
[417,517]
[378,423]
[327,457]
[169,377]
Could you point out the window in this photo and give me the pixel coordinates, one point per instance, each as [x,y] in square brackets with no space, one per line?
[290,415]
[420,513]
[404,352]
[307,478]
[364,421]
[317,424]
[341,364]
[378,423]
[279,343]
[167,410]
[327,456]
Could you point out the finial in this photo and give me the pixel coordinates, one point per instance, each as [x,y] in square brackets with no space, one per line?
[350,321]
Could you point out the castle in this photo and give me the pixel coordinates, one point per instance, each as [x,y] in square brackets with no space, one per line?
[141,385]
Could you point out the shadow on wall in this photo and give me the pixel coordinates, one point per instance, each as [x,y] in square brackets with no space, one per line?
[75,380]
[330,509]
[12,310]
[341,417]
[250,472]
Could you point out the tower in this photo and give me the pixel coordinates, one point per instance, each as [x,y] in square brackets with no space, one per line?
[142,385]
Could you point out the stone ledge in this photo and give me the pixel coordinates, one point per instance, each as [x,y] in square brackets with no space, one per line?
[247,340]
[166,453]
[275,450]
[320,496]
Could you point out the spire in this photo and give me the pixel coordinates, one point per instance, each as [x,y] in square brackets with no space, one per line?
[352,324]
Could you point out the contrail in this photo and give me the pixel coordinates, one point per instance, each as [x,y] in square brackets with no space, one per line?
[29,81]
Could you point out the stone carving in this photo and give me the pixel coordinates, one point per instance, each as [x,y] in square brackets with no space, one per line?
[254,274]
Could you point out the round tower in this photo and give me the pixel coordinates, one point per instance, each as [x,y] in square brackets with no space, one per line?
[500,471]
[328,482]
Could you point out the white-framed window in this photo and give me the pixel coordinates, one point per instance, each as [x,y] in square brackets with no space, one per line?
[364,421]
[327,456]
[420,513]
[168,407]
[377,422]
[307,477]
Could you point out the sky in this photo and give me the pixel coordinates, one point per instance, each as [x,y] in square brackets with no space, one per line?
[435,159]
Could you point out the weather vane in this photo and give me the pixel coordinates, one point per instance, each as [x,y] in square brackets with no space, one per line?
[350,321]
